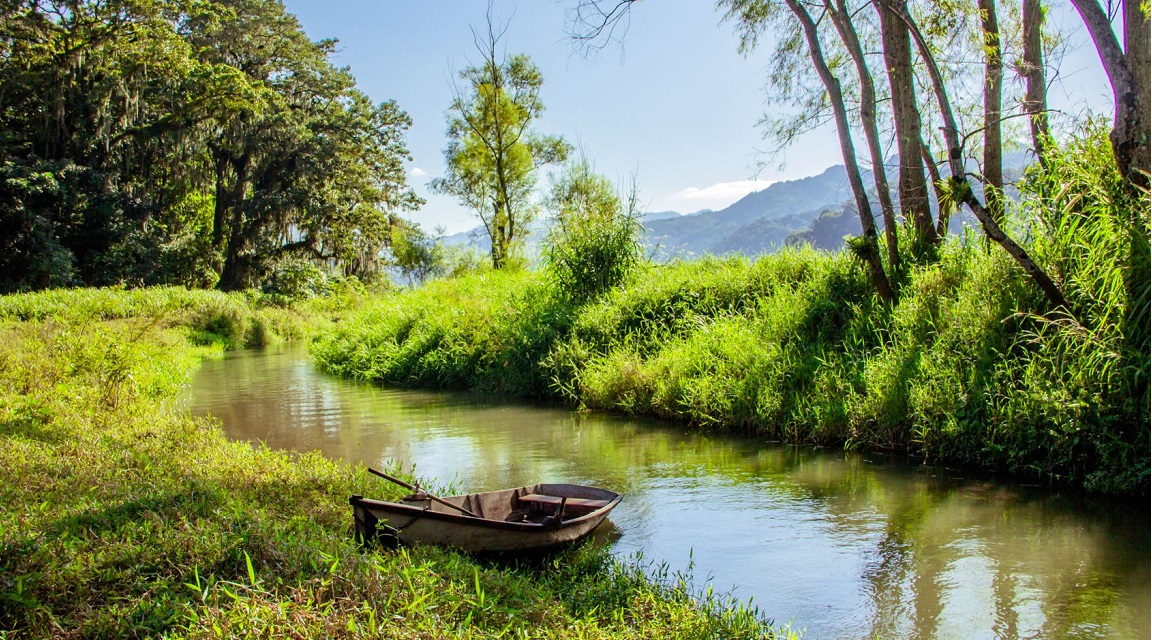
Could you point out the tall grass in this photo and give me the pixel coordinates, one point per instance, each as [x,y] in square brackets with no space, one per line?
[485,331]
[970,366]
[122,517]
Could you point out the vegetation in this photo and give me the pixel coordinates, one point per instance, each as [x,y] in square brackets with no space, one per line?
[161,142]
[594,242]
[122,516]
[927,47]
[967,368]
[493,155]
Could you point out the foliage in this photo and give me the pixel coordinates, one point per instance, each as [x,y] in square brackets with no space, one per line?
[160,142]
[125,517]
[1096,236]
[594,241]
[295,279]
[968,368]
[416,254]
[487,330]
[492,154]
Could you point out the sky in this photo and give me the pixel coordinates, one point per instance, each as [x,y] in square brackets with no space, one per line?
[672,106]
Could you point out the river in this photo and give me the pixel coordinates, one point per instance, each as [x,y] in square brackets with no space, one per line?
[840,545]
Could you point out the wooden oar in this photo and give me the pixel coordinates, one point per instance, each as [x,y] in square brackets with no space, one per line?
[414,490]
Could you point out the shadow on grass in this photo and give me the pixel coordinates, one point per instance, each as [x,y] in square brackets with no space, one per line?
[31,424]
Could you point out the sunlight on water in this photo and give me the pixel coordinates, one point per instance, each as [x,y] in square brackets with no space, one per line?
[842,545]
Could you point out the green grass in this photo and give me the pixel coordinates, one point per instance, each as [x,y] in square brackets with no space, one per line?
[485,331]
[968,368]
[120,516]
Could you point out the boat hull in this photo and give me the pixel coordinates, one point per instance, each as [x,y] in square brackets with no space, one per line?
[524,519]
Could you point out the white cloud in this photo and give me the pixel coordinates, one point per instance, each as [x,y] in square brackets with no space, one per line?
[716,196]
[417,172]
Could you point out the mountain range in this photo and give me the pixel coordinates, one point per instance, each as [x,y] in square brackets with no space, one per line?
[760,222]
[816,210]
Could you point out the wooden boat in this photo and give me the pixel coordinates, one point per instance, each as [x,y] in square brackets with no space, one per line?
[532,518]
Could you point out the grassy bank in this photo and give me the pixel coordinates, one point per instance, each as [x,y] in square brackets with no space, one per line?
[122,517]
[969,367]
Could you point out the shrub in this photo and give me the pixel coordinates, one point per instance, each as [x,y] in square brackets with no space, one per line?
[594,242]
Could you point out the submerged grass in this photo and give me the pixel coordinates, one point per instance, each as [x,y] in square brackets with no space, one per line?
[121,516]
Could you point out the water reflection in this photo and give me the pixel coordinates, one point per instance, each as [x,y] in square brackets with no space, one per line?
[845,546]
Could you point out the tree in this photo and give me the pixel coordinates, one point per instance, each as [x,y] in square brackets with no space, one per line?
[416,254]
[993,87]
[842,20]
[753,15]
[185,141]
[493,155]
[1128,73]
[1032,69]
[311,166]
[898,33]
[91,153]
[866,246]
[913,188]
[960,188]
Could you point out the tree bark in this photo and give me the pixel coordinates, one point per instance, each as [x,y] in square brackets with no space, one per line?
[1137,44]
[913,188]
[1136,50]
[961,187]
[1036,89]
[234,271]
[843,22]
[871,252]
[945,207]
[993,88]
[1130,144]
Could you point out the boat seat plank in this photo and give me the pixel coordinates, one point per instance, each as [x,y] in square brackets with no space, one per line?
[536,498]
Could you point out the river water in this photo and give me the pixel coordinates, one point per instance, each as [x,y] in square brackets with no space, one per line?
[839,545]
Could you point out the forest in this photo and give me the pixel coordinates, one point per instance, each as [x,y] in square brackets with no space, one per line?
[187,143]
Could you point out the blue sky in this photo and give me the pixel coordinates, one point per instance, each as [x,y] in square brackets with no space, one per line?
[675,105]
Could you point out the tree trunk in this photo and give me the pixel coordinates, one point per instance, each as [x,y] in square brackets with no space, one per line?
[220,205]
[1136,50]
[913,188]
[960,185]
[870,251]
[993,87]
[843,22]
[1036,90]
[234,271]
[1130,144]
[945,207]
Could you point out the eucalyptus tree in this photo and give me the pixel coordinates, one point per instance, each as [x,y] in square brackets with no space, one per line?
[960,189]
[842,20]
[493,154]
[1128,73]
[1031,68]
[751,14]
[908,125]
[993,109]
